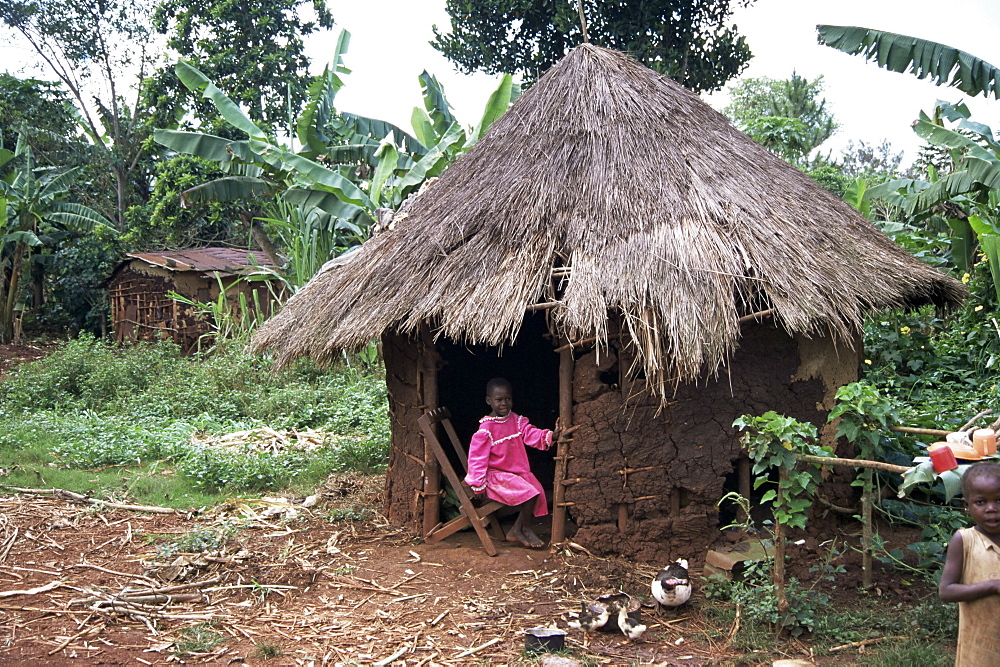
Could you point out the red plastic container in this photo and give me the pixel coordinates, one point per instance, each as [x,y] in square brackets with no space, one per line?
[943,459]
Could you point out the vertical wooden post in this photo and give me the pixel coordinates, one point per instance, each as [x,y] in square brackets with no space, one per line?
[743,474]
[778,579]
[562,447]
[431,508]
[866,529]
[622,517]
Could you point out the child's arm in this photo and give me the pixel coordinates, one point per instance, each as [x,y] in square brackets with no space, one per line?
[539,438]
[479,457]
[950,589]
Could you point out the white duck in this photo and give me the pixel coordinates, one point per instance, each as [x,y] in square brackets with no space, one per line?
[672,586]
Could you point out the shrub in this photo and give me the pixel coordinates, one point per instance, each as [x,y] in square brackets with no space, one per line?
[94,404]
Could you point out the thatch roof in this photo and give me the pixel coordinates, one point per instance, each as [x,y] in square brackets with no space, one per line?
[609,188]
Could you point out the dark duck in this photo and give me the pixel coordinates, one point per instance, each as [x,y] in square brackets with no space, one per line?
[672,586]
[615,612]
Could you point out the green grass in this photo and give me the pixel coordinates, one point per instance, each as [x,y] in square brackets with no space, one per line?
[199,638]
[906,653]
[116,423]
[265,651]
[149,484]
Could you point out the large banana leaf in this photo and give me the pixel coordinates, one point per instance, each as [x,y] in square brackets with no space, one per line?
[434,162]
[423,127]
[229,110]
[27,237]
[388,159]
[976,176]
[317,173]
[58,186]
[855,195]
[78,218]
[901,53]
[361,149]
[500,100]
[927,129]
[991,247]
[202,145]
[228,189]
[311,127]
[436,104]
[377,129]
[963,243]
[309,198]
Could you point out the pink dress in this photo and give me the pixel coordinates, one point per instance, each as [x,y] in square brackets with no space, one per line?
[498,460]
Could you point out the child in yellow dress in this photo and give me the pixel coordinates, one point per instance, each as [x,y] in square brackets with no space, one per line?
[971,575]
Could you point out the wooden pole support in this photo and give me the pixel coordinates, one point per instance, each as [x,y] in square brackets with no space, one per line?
[431,508]
[866,531]
[743,480]
[918,431]
[851,463]
[559,505]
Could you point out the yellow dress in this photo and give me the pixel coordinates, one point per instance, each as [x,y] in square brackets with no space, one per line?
[979,620]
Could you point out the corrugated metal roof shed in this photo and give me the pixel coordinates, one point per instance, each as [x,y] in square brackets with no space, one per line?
[224,260]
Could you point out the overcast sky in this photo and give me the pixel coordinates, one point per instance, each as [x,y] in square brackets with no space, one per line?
[389,50]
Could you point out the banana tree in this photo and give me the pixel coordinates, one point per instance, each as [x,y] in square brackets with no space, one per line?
[972,188]
[33,211]
[967,198]
[348,165]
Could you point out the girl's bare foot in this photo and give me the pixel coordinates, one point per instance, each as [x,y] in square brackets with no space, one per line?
[525,536]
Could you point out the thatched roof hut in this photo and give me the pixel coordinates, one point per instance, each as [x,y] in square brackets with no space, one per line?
[617,205]
[643,200]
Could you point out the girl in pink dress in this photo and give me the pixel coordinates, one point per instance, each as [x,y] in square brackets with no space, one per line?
[498,462]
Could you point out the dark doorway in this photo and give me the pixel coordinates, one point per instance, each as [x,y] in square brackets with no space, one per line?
[532,367]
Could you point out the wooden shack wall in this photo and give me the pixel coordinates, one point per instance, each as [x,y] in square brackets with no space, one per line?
[650,477]
[141,310]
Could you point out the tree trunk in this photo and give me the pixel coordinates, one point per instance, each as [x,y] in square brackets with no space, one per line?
[778,578]
[260,236]
[13,288]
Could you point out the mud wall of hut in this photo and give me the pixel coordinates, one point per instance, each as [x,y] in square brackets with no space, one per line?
[405,380]
[644,481]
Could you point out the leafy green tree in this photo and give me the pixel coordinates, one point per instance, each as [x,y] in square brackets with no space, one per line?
[166,222]
[253,50]
[788,116]
[862,158]
[43,112]
[34,213]
[688,40]
[98,51]
[350,168]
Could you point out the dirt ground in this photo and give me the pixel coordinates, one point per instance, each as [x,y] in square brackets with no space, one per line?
[330,584]
[316,591]
[12,355]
